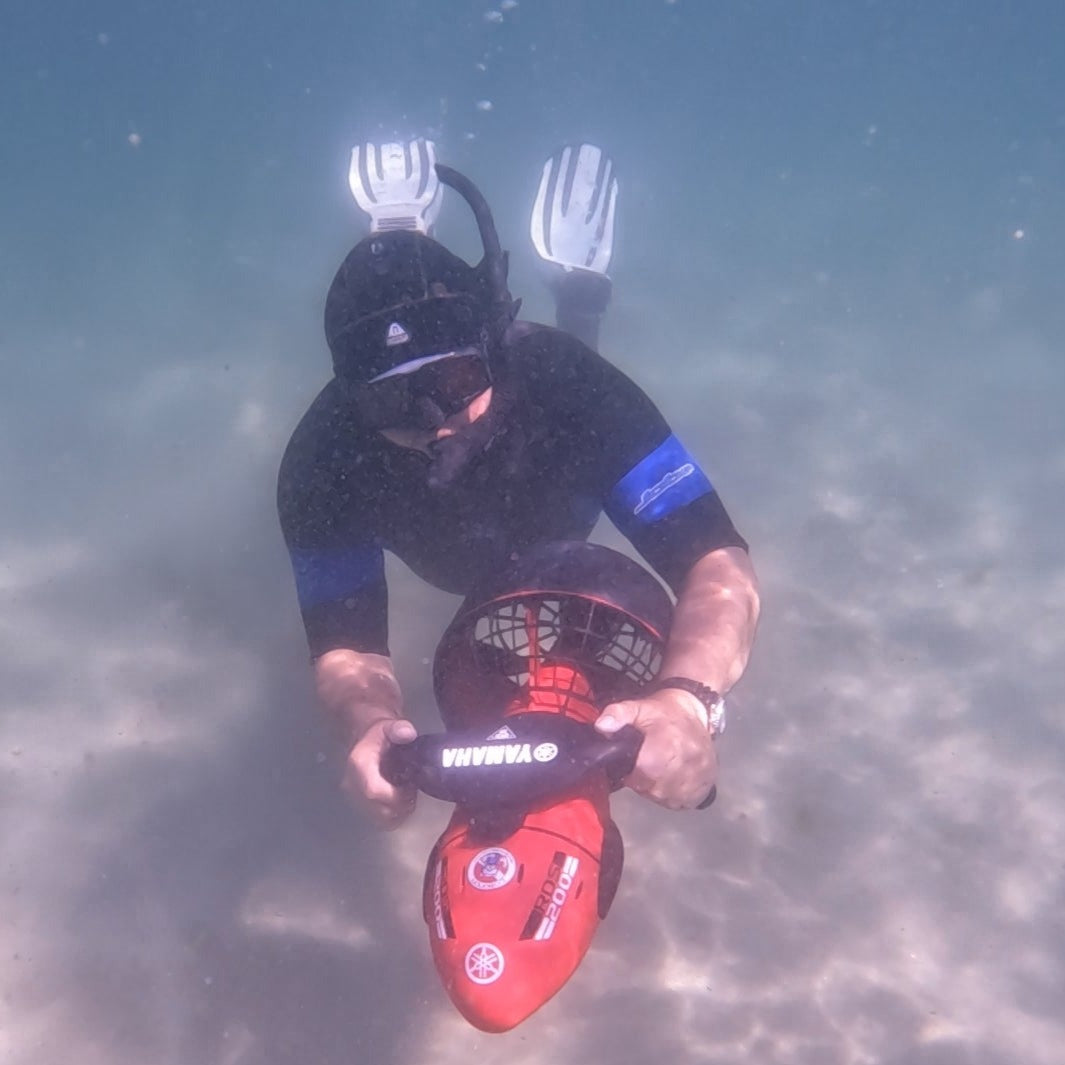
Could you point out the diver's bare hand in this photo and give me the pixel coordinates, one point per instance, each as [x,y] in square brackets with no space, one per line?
[385,804]
[677,764]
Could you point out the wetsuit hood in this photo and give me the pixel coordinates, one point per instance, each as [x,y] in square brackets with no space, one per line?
[397,296]
[400,294]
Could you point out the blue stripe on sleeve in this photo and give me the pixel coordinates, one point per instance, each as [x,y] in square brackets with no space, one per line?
[328,576]
[660,483]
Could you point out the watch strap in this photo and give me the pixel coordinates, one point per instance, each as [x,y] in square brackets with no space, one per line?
[712,700]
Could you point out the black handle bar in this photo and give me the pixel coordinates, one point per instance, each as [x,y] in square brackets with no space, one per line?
[521,761]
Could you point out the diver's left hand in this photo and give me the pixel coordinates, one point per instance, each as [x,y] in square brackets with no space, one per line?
[677,764]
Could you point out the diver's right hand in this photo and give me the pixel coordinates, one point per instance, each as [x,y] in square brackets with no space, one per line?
[386,805]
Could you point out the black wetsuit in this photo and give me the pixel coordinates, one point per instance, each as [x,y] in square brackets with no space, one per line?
[575,437]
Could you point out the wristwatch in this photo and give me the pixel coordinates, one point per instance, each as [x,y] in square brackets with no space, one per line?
[712,711]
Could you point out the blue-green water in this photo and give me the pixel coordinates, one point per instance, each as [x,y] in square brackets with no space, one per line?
[838,271]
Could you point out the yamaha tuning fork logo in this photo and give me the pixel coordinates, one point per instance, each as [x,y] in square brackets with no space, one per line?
[484,963]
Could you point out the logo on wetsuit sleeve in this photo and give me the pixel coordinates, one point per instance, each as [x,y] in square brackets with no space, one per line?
[661,483]
[649,495]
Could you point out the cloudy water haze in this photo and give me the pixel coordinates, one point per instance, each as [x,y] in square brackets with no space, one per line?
[838,271]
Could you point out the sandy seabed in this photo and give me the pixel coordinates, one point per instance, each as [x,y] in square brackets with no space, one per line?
[880,881]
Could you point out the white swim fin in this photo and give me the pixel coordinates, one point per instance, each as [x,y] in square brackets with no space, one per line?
[396,184]
[572,222]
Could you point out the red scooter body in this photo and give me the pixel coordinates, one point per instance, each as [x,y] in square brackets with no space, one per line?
[510,920]
[518,882]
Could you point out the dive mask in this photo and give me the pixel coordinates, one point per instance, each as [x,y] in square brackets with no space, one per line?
[423,392]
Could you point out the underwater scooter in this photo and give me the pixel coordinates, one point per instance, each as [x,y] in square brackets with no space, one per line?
[530,861]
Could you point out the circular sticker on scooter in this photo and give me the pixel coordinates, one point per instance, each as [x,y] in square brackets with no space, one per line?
[491,868]
[484,963]
[545,752]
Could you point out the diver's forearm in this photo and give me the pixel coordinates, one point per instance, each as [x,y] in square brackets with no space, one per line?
[714,620]
[356,689]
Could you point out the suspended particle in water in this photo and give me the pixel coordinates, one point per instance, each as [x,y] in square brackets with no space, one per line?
[469,136]
[508,5]
[134,140]
[1018,234]
[493,16]
[484,105]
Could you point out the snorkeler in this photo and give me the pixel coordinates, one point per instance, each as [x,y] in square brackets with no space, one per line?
[458,438]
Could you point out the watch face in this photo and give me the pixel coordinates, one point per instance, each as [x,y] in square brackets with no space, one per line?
[717,717]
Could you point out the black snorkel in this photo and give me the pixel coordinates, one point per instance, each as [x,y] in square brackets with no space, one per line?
[493,267]
[450,456]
